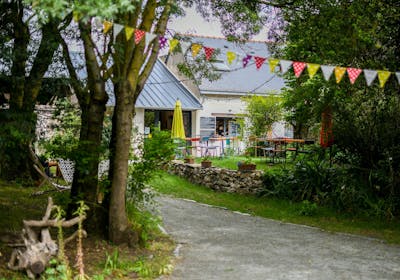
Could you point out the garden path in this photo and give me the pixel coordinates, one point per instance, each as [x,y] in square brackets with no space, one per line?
[215,243]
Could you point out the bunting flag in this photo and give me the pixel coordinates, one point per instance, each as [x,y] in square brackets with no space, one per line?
[339,73]
[139,35]
[246,60]
[172,44]
[209,52]
[162,41]
[327,71]
[185,46]
[370,76]
[116,29]
[129,32]
[76,16]
[196,49]
[298,68]
[398,76]
[149,37]
[383,76]
[107,26]
[259,61]
[230,56]
[272,64]
[285,65]
[312,69]
[353,74]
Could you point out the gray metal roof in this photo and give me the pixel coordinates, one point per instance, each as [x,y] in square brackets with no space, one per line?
[239,80]
[162,89]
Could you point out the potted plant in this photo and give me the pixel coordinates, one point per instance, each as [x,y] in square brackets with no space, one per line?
[206,161]
[246,165]
[189,159]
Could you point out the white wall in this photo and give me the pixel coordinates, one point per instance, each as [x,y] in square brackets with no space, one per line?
[138,120]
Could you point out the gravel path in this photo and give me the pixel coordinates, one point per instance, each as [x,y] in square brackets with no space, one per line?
[214,243]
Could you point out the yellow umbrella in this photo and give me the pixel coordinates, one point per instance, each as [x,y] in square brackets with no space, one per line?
[178,129]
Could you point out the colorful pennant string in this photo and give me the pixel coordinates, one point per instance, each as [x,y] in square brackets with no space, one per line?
[312,69]
[285,65]
[230,57]
[209,52]
[370,76]
[196,48]
[246,60]
[339,73]
[107,26]
[149,37]
[139,34]
[383,76]
[327,71]
[273,62]
[259,61]
[116,29]
[129,32]
[162,41]
[172,44]
[298,68]
[76,16]
[398,76]
[353,74]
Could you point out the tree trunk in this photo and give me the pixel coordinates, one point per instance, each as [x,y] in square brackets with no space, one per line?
[119,230]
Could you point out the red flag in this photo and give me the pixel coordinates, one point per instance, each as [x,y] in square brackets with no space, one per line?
[139,35]
[209,52]
[259,61]
[353,74]
[298,68]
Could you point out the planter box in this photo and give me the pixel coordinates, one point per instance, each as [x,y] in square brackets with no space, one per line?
[206,164]
[189,160]
[247,167]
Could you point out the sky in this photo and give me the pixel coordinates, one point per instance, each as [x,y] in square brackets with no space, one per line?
[193,23]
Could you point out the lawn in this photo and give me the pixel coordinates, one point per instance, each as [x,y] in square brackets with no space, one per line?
[285,211]
[102,259]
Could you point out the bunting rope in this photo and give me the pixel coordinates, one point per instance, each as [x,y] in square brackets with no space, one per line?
[245,59]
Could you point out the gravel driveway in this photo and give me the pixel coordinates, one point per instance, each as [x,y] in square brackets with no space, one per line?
[215,243]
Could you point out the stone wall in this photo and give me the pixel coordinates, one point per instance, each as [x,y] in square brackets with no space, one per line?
[219,179]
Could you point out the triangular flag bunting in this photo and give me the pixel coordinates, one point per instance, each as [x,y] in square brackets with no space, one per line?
[339,73]
[76,16]
[185,46]
[246,60]
[259,61]
[312,69]
[116,29]
[285,65]
[149,37]
[298,68]
[196,49]
[383,76]
[273,62]
[327,71]
[139,35]
[370,76]
[129,32]
[230,56]
[107,26]
[162,41]
[172,44]
[353,74]
[209,52]
[398,76]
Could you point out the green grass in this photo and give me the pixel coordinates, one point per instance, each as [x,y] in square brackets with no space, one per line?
[281,210]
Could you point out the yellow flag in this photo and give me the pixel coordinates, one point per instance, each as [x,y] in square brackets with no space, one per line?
[339,73]
[383,76]
[129,32]
[76,16]
[172,44]
[312,69]
[230,56]
[273,62]
[195,49]
[107,26]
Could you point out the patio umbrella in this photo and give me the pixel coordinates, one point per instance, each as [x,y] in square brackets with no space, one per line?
[178,129]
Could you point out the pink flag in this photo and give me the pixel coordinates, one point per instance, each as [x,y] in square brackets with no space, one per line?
[139,35]
[353,74]
[298,67]
[259,61]
[209,52]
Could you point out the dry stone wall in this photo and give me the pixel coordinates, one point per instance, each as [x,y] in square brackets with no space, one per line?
[219,179]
